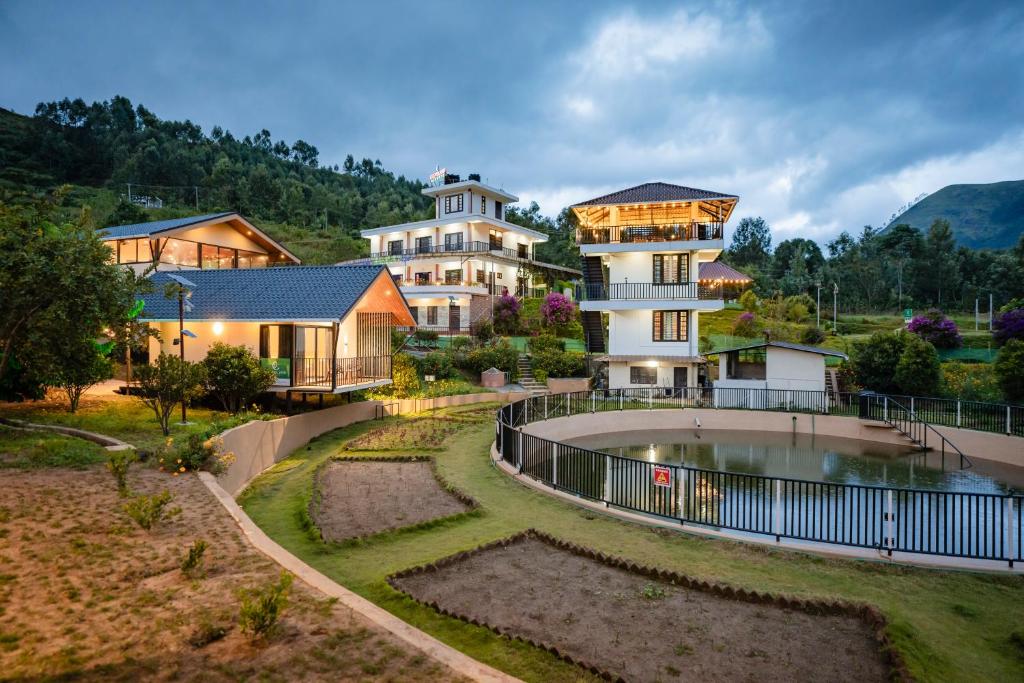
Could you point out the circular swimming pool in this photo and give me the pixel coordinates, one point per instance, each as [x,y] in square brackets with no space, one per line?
[807,457]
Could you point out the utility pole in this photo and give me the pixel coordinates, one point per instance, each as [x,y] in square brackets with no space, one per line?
[990,312]
[817,307]
[129,193]
[975,314]
[835,307]
[181,345]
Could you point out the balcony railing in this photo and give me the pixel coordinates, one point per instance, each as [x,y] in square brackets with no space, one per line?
[329,373]
[671,232]
[496,290]
[676,291]
[456,249]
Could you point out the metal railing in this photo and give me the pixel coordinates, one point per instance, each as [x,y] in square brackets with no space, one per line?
[984,526]
[1001,418]
[666,232]
[336,372]
[450,249]
[673,291]
[907,422]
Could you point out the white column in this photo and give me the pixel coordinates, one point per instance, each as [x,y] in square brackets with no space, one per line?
[554,464]
[890,541]
[777,524]
[607,478]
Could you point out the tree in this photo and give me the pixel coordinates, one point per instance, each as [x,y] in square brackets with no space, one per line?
[77,365]
[167,382]
[234,375]
[918,371]
[405,380]
[506,314]
[557,310]
[751,243]
[1008,324]
[874,361]
[125,213]
[940,255]
[1009,369]
[55,279]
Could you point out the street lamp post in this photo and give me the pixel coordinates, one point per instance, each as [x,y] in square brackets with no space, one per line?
[184,290]
[835,307]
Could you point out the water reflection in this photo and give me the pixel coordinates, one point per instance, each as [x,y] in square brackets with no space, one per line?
[802,456]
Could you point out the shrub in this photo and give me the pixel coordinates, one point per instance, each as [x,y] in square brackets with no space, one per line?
[1008,325]
[1009,370]
[405,381]
[118,463]
[874,361]
[426,337]
[438,364]
[201,451]
[461,343]
[972,382]
[795,308]
[749,301]
[261,608]
[398,339]
[499,355]
[746,325]
[812,335]
[545,342]
[540,375]
[557,310]
[192,564]
[553,363]
[482,330]
[234,375]
[148,511]
[506,314]
[166,383]
[936,329]
[80,365]
[918,371]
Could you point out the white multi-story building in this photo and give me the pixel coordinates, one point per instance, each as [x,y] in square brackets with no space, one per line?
[642,249]
[450,267]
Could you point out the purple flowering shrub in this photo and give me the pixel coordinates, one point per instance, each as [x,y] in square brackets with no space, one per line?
[746,325]
[557,310]
[1008,325]
[936,328]
[506,314]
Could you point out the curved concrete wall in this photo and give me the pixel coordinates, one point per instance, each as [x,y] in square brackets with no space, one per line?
[995,447]
[258,445]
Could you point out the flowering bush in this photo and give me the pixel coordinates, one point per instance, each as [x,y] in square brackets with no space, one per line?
[937,329]
[1008,325]
[557,309]
[746,325]
[506,314]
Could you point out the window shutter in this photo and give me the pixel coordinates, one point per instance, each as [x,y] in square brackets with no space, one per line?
[657,325]
[658,269]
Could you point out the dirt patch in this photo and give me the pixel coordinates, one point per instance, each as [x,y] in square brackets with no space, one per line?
[644,625]
[428,433]
[86,594]
[359,497]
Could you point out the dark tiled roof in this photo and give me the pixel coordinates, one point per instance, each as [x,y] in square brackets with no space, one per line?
[153,227]
[655,192]
[716,270]
[787,345]
[287,293]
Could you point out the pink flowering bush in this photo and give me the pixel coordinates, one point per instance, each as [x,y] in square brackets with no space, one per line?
[557,310]
[936,328]
[746,325]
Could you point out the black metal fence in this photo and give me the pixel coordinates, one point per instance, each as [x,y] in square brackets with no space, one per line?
[969,525]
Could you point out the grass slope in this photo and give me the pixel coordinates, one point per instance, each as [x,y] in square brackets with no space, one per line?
[983,216]
[947,625]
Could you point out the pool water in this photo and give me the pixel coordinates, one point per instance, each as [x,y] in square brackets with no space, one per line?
[810,458]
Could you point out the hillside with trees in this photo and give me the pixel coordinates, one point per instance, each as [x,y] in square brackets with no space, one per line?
[901,267]
[100,148]
[985,216]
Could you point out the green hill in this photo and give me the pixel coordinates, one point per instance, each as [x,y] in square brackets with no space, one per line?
[98,149]
[989,216]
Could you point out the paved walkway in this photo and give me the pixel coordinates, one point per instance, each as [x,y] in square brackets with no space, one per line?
[432,647]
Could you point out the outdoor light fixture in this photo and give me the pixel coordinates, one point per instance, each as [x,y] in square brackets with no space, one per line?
[218,327]
[652,363]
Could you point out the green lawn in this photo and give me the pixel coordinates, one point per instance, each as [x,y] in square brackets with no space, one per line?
[120,417]
[21,449]
[948,625]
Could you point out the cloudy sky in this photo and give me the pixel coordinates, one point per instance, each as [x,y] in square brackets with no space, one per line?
[822,117]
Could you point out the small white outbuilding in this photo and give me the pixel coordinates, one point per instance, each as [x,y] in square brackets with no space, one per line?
[774,365]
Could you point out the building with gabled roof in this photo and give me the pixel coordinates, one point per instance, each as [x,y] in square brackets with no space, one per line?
[213,241]
[322,329]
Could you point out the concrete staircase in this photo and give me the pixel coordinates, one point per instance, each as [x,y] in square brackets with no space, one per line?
[526,378]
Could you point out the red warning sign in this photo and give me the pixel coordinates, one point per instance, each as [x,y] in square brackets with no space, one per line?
[662,476]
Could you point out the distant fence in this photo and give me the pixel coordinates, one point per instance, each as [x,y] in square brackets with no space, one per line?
[959,524]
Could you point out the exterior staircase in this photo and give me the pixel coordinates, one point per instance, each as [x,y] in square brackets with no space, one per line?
[526,378]
[593,326]
[831,384]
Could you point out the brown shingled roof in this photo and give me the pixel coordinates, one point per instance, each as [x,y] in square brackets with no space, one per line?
[656,192]
[716,270]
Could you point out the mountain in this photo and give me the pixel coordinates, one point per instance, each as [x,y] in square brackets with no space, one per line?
[989,216]
[102,149]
